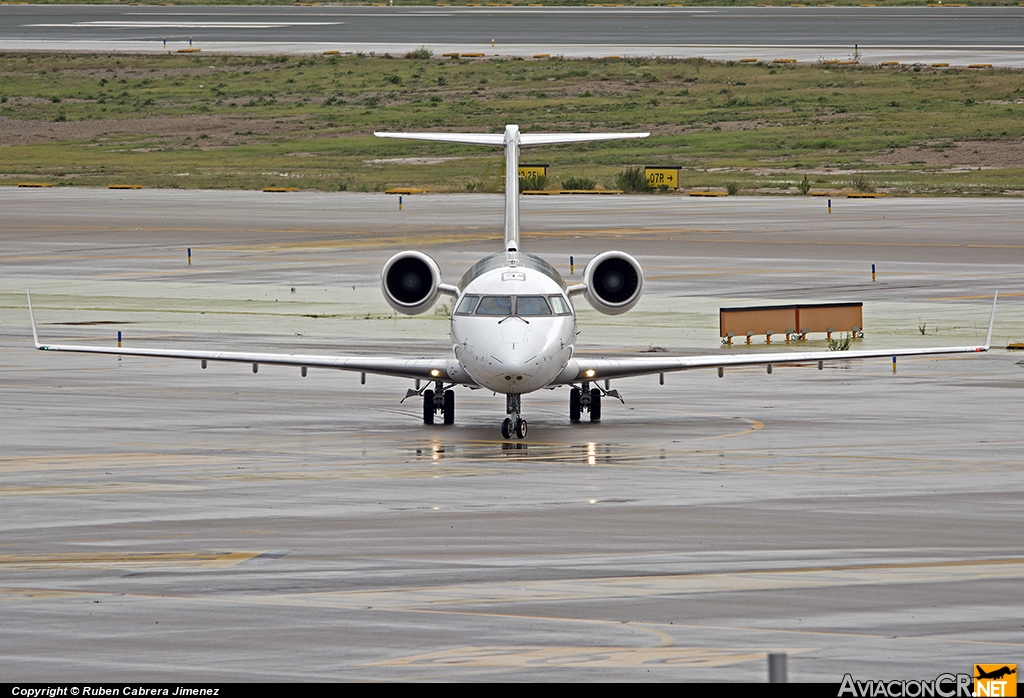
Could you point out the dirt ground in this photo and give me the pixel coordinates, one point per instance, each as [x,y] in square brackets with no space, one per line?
[220,129]
[973,154]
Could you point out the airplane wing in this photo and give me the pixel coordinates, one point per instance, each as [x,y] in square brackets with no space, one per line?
[584,369]
[430,369]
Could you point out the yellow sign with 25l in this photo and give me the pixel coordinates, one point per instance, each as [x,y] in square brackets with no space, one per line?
[533,170]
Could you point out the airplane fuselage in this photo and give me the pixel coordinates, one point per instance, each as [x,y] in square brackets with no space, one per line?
[513,326]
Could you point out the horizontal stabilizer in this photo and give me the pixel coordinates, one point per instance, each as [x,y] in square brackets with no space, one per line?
[512,140]
[498,139]
[492,139]
[556,138]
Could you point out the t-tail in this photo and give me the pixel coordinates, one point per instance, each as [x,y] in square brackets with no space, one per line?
[512,141]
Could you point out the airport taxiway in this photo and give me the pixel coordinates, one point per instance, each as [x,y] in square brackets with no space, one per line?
[161,522]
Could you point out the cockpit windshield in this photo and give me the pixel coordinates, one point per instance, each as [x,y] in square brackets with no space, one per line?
[531,306]
[505,306]
[559,305]
[494,305]
[467,305]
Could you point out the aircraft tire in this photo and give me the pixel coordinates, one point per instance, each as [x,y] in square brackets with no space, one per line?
[506,429]
[521,428]
[428,406]
[449,407]
[574,405]
[595,405]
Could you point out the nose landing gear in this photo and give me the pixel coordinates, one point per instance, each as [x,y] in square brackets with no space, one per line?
[510,428]
[513,424]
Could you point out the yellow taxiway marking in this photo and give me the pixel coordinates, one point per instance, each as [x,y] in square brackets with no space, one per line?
[514,657]
[366,473]
[132,560]
[449,598]
[553,449]
[19,593]
[674,232]
[768,240]
[365,241]
[974,298]
[104,488]
[665,640]
[215,467]
[93,461]
[754,425]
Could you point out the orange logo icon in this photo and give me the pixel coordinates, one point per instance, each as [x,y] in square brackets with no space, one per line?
[995,680]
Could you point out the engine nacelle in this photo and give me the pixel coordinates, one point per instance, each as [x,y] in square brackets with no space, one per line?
[614,281]
[410,281]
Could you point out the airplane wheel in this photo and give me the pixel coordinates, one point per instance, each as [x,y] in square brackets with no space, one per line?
[506,429]
[574,405]
[428,406]
[521,428]
[595,405]
[449,407]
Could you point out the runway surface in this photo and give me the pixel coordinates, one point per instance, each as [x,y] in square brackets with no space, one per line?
[167,523]
[907,34]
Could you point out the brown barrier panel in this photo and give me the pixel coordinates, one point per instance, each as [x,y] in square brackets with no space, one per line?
[830,317]
[791,319]
[739,321]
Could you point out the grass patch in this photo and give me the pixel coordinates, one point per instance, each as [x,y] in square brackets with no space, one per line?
[255,121]
[579,183]
[633,179]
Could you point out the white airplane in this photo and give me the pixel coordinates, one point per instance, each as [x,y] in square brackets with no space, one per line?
[513,325]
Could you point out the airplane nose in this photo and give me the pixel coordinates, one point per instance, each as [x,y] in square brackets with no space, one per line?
[512,360]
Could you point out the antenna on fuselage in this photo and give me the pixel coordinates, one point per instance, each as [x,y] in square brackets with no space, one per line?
[511,140]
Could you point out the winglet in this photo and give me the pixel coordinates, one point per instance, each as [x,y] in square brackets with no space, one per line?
[32,318]
[991,321]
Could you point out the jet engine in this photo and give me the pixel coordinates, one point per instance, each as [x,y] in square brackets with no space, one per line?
[614,281]
[410,282]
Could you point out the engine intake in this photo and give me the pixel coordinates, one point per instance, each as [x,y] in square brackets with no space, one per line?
[614,281]
[410,281]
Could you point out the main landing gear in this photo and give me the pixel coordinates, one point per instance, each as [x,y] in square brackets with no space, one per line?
[513,424]
[438,400]
[581,400]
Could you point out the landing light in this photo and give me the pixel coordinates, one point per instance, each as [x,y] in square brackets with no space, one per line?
[434,372]
[589,373]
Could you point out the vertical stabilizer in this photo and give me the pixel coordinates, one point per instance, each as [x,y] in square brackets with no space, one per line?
[512,188]
[511,140]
